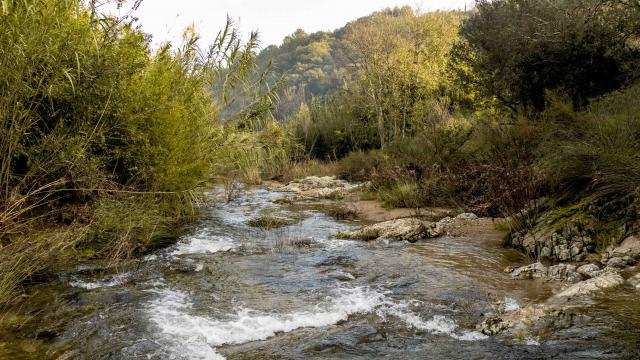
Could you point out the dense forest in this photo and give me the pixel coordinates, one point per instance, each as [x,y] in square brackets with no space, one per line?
[511,109]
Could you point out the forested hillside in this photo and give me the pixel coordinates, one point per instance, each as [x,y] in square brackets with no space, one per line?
[490,110]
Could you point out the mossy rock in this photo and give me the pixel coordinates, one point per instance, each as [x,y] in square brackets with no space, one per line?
[570,233]
[269,222]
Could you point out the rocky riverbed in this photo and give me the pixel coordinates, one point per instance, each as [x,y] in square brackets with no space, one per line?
[309,286]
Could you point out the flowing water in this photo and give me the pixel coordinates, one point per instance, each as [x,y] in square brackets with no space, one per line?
[228,290]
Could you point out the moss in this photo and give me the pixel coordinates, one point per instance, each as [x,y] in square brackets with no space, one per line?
[606,221]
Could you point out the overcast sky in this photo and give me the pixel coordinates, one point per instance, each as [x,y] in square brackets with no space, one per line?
[274,19]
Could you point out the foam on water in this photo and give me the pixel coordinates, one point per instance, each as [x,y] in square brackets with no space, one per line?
[438,324]
[203,244]
[198,336]
[511,304]
[110,281]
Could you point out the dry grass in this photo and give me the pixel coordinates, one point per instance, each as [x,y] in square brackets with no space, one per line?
[32,256]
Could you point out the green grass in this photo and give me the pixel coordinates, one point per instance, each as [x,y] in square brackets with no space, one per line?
[269,222]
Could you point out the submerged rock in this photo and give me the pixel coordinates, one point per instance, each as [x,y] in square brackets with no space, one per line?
[407,229]
[607,280]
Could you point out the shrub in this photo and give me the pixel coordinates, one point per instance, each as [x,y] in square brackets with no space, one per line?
[600,149]
[362,166]
[402,195]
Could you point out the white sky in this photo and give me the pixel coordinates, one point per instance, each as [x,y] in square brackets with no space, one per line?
[274,19]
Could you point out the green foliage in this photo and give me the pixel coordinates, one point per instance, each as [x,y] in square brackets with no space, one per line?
[599,150]
[362,166]
[402,67]
[519,49]
[331,127]
[269,222]
[100,132]
[402,195]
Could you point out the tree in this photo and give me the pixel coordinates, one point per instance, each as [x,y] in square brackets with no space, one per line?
[521,49]
[401,58]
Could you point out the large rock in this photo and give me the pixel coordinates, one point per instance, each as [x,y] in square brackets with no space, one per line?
[560,272]
[531,321]
[607,280]
[564,272]
[619,262]
[408,229]
[628,249]
[536,270]
[570,241]
[318,187]
[589,270]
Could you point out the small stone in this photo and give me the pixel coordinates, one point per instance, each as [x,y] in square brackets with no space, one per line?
[563,254]
[576,250]
[545,253]
[605,281]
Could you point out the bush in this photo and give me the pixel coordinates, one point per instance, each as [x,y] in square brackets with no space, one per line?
[362,166]
[402,195]
[599,150]
[96,128]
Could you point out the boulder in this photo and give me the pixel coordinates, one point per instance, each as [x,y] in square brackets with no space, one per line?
[589,270]
[318,187]
[564,272]
[630,247]
[536,270]
[531,320]
[407,229]
[607,280]
[617,263]
[569,241]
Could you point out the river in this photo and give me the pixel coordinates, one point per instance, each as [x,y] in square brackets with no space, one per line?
[231,291]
